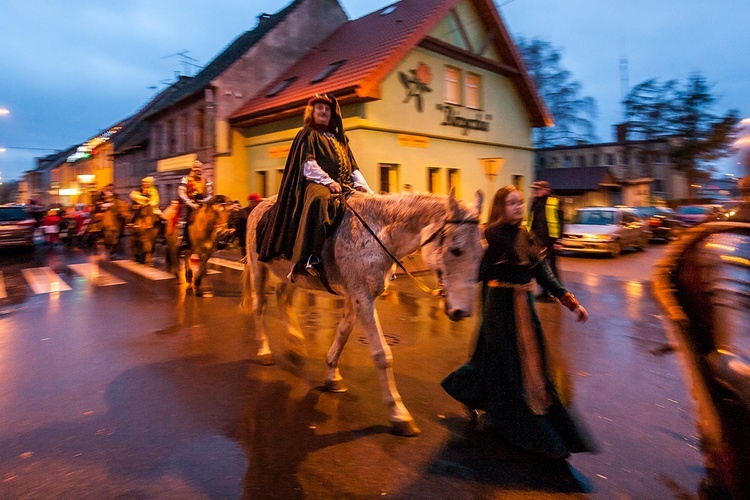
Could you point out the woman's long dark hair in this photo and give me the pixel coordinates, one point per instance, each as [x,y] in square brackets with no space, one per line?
[519,245]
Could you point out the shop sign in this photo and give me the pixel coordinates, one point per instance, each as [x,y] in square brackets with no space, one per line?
[181,162]
[453,118]
[279,151]
[413,141]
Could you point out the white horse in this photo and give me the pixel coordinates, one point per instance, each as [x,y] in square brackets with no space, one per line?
[359,269]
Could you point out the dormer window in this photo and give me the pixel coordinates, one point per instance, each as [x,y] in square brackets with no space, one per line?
[328,71]
[279,87]
[388,10]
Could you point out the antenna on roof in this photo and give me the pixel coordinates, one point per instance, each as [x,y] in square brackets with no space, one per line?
[186,61]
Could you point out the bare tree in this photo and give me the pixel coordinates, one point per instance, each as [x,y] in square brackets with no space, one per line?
[573,114]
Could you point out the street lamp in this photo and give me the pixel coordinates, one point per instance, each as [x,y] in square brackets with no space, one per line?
[4,111]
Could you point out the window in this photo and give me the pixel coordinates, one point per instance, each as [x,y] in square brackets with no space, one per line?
[568,162]
[625,158]
[261,182]
[453,181]
[183,141]
[595,160]
[327,71]
[171,137]
[610,159]
[643,158]
[452,85]
[473,100]
[156,142]
[517,180]
[388,178]
[279,87]
[541,162]
[279,177]
[200,128]
[658,158]
[433,180]
[658,185]
[581,161]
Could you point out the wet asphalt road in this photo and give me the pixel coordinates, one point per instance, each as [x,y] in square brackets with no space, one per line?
[142,390]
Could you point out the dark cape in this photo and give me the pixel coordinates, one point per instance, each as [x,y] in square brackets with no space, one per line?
[277,229]
[492,380]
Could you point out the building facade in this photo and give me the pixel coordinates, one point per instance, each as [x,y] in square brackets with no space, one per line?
[441,102]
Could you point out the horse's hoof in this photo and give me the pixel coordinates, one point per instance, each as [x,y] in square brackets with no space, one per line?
[405,428]
[265,359]
[202,292]
[336,386]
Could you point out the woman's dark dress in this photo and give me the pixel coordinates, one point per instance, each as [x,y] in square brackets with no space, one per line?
[492,380]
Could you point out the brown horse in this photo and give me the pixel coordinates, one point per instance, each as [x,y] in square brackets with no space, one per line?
[143,233]
[208,226]
[111,226]
[359,269]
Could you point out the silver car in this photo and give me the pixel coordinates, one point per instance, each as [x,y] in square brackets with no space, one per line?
[16,227]
[605,230]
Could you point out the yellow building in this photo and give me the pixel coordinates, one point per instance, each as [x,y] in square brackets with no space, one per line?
[433,92]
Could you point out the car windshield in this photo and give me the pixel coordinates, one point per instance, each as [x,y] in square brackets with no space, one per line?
[647,211]
[596,217]
[12,213]
[692,210]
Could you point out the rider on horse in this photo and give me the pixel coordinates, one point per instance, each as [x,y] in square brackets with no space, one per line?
[147,195]
[103,202]
[320,165]
[194,190]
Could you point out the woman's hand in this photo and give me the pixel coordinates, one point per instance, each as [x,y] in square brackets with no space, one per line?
[582,313]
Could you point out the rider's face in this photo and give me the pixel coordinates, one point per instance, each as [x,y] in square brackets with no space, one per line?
[195,172]
[321,114]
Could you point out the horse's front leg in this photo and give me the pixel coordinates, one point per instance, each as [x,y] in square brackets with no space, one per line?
[201,291]
[401,420]
[188,269]
[295,339]
[334,381]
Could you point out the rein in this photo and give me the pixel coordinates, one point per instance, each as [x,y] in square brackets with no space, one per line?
[440,230]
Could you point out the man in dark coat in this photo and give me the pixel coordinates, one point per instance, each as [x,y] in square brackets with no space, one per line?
[319,167]
[546,221]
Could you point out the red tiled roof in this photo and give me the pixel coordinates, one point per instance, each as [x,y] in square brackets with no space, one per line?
[372,46]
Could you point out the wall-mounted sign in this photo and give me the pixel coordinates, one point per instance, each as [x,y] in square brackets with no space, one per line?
[279,151]
[413,141]
[416,82]
[453,118]
[176,163]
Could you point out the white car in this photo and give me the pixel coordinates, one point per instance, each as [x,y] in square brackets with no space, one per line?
[605,230]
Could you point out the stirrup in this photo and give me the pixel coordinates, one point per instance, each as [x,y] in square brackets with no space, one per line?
[309,267]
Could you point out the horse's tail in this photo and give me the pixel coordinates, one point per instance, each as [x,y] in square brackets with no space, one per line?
[246,305]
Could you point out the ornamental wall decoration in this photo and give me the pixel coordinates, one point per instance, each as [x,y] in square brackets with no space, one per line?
[416,83]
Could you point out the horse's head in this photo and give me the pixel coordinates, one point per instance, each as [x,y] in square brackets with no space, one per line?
[452,248]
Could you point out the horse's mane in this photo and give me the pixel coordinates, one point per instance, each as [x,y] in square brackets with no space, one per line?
[418,207]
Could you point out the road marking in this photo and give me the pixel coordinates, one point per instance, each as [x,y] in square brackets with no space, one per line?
[97,277]
[146,271]
[3,292]
[44,280]
[194,266]
[231,264]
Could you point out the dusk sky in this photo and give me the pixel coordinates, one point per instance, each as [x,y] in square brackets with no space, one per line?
[70,69]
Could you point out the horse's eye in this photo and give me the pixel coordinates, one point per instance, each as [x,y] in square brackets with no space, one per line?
[457,252]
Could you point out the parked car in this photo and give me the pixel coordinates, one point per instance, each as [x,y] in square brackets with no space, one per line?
[605,230]
[663,222]
[16,226]
[697,214]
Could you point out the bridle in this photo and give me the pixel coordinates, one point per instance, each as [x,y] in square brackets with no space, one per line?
[441,231]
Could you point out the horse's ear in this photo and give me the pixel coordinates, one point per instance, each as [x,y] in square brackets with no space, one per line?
[452,202]
[479,200]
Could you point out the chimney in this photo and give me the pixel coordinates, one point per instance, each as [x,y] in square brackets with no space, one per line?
[263,17]
[621,132]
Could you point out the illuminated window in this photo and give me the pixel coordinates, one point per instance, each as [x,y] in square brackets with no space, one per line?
[261,184]
[328,71]
[452,85]
[473,99]
[454,181]
[388,178]
[433,180]
[279,177]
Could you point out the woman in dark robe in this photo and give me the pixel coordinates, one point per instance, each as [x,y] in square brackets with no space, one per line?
[507,377]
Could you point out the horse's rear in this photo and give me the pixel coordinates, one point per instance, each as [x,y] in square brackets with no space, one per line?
[112,225]
[209,225]
[143,234]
